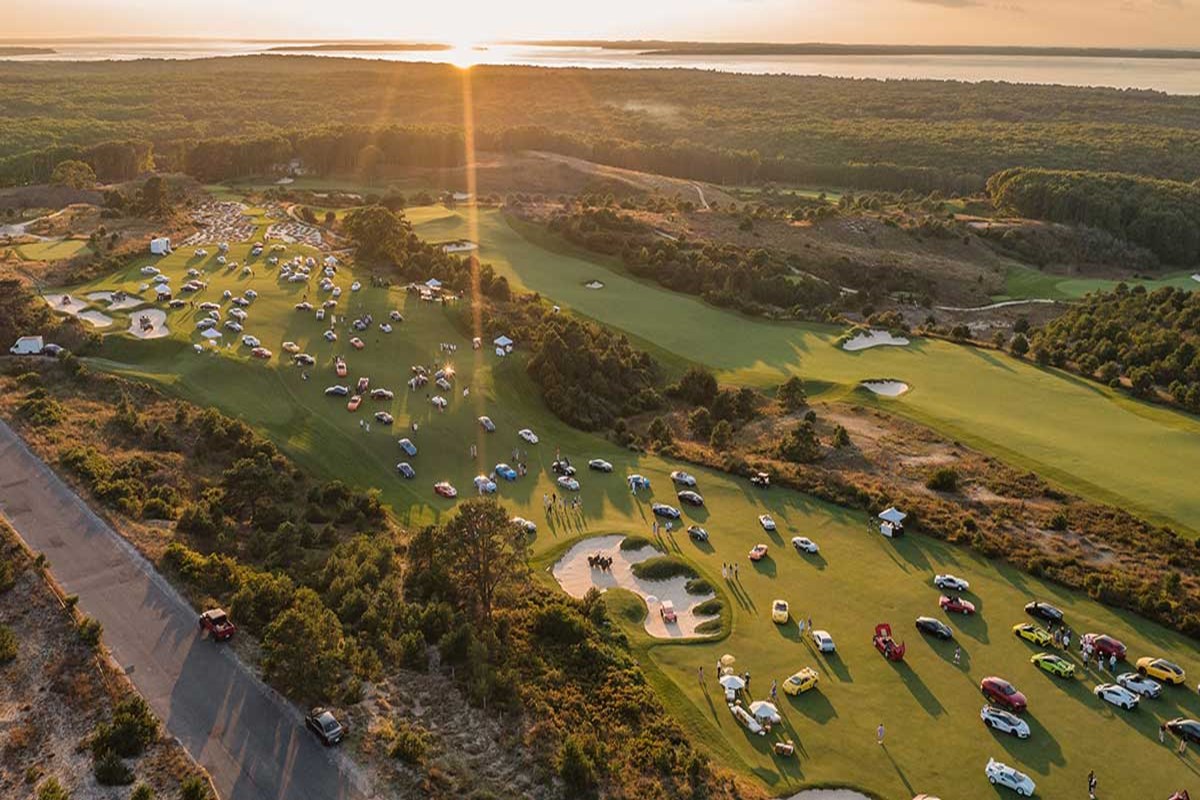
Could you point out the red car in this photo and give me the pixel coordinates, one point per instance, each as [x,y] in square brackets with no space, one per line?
[885,644]
[1105,645]
[215,622]
[953,604]
[1002,693]
[339,365]
[445,489]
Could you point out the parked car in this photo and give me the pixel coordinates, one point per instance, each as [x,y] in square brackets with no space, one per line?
[600,465]
[1000,720]
[1003,775]
[484,484]
[505,471]
[407,446]
[568,483]
[528,435]
[382,394]
[445,489]
[758,552]
[261,352]
[1032,633]
[357,343]
[562,466]
[691,498]
[1004,694]
[664,510]
[887,646]
[667,611]
[487,424]
[1184,728]
[339,366]
[384,418]
[405,469]
[305,306]
[1104,644]
[304,360]
[354,402]
[824,641]
[217,624]
[801,682]
[1140,684]
[637,481]
[362,385]
[1117,695]
[683,478]
[768,524]
[250,341]
[950,583]
[321,722]
[697,533]
[525,525]
[804,545]
[1054,664]
[1044,611]
[953,604]
[337,391]
[1160,668]
[330,336]
[779,611]
[934,627]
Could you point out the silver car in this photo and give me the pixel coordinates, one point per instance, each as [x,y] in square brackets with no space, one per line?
[1000,720]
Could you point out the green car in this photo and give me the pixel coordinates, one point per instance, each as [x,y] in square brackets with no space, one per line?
[1055,665]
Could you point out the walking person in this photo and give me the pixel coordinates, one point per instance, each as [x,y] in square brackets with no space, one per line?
[1092,785]
[879,734]
[1182,746]
[774,690]
[724,571]
[1162,733]
[957,656]
[700,674]
[801,625]
[1112,663]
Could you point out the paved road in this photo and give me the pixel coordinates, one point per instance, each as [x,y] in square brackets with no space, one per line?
[253,744]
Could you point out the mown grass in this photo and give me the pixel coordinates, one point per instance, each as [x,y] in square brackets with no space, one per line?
[1024,282]
[661,568]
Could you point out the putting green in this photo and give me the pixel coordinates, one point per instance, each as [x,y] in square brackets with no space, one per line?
[1023,282]
[930,707]
[53,250]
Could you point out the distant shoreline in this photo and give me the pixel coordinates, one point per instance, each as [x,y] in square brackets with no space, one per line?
[667,48]
[6,50]
[364,47]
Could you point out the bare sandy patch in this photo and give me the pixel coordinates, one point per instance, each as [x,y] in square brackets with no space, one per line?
[886,388]
[123,302]
[97,319]
[65,303]
[576,577]
[874,338]
[149,324]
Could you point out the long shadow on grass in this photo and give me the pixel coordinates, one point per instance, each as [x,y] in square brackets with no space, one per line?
[903,778]
[814,705]
[765,567]
[975,626]
[920,691]
[1039,752]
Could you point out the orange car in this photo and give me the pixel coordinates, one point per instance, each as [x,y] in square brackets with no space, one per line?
[354,403]
[357,343]
[758,552]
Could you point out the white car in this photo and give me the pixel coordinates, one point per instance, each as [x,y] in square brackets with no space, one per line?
[567,482]
[1003,775]
[484,484]
[209,306]
[1140,684]
[767,522]
[1000,720]
[951,583]
[337,291]
[251,295]
[683,478]
[600,465]
[1117,695]
[805,544]
[330,336]
[528,435]
[251,341]
[823,641]
[395,316]
[238,314]
[354,287]
[236,327]
[383,326]
[291,347]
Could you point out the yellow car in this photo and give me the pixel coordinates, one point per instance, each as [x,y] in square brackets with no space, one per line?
[1032,633]
[1162,669]
[779,611]
[802,681]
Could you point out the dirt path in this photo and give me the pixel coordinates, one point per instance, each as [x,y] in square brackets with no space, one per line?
[700,191]
[250,740]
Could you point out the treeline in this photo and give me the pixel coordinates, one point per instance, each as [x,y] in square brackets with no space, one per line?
[754,281]
[111,161]
[1161,215]
[1148,341]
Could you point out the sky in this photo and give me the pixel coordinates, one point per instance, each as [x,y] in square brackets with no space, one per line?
[1112,23]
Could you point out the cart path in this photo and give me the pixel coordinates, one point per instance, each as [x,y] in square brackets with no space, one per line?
[250,740]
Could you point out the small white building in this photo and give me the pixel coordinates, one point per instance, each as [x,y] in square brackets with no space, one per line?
[27,346]
[160,246]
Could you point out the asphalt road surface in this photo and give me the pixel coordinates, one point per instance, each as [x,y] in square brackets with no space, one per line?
[252,742]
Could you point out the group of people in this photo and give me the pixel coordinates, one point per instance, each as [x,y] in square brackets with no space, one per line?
[600,562]
[729,571]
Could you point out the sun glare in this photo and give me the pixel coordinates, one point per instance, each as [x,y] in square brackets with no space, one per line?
[464,54]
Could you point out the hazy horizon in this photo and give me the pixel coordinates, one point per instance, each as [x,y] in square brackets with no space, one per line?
[1133,24]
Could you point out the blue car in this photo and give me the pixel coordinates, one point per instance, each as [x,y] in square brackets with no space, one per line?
[664,510]
[407,446]
[506,472]
[639,481]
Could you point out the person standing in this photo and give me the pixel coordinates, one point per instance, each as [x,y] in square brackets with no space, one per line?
[774,690]
[724,571]
[957,656]
[1162,733]
[700,674]
[1112,663]
[879,734]
[1182,746]
[1092,785]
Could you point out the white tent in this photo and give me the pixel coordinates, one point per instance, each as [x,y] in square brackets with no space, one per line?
[892,515]
[433,283]
[733,682]
[211,333]
[763,710]
[503,341]
[160,246]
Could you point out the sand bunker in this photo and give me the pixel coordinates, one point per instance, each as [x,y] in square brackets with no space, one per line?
[594,285]
[576,577]
[886,388]
[97,319]
[66,303]
[125,303]
[828,794]
[874,338]
[155,319]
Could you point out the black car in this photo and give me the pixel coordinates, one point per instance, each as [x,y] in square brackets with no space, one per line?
[934,627]
[1044,611]
[563,467]
[1185,728]
[691,498]
[697,533]
[664,510]
[322,722]
[406,470]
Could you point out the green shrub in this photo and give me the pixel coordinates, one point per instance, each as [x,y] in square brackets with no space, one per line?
[41,410]
[131,731]
[410,745]
[51,789]
[708,607]
[699,586]
[635,543]
[8,644]
[7,575]
[943,480]
[110,770]
[709,626]
[142,792]
[194,788]
[661,568]
[559,625]
[90,631]
[576,768]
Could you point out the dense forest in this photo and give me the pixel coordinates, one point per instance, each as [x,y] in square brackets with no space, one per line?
[704,125]
[1161,215]
[1149,341]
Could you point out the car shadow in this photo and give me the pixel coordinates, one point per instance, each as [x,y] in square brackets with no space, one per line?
[812,704]
[972,625]
[836,666]
[919,690]
[765,566]
[1039,752]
